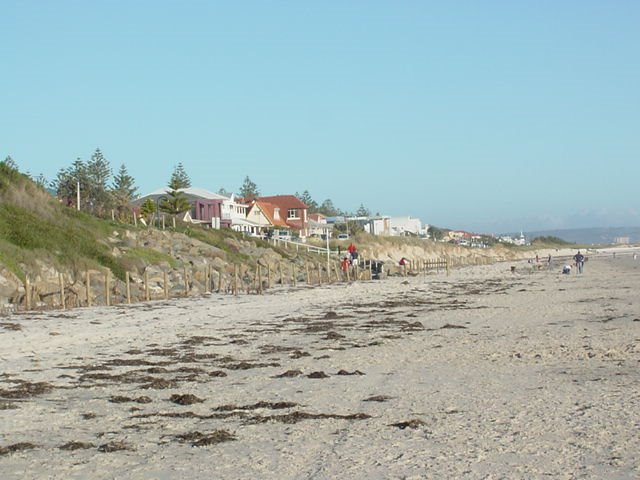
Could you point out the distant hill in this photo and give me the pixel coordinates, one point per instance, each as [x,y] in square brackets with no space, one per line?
[591,236]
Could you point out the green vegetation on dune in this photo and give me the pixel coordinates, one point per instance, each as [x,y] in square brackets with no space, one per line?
[550,241]
[149,257]
[34,226]
[69,237]
[217,238]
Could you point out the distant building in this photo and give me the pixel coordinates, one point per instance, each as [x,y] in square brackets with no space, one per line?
[318,225]
[408,226]
[520,240]
[622,240]
[286,211]
[380,225]
[206,206]
[377,225]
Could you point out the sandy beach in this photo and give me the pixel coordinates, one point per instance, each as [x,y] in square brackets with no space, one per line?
[482,374]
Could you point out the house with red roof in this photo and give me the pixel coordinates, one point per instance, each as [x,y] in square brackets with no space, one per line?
[282,212]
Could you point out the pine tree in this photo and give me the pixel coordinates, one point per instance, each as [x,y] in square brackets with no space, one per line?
[327,208]
[66,183]
[179,178]
[176,202]
[249,189]
[311,204]
[148,210]
[123,192]
[363,211]
[97,193]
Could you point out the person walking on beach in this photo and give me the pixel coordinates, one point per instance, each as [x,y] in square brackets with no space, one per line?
[549,262]
[579,258]
[344,266]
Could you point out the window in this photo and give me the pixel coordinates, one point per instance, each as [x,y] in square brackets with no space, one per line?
[292,213]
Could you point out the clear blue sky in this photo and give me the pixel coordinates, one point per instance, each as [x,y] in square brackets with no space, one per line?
[486,115]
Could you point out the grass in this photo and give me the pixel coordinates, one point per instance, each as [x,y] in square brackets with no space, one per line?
[217,238]
[151,257]
[71,238]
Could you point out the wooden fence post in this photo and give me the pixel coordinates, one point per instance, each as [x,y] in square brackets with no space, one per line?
[235,280]
[319,275]
[147,295]
[166,285]
[306,266]
[27,294]
[61,282]
[268,275]
[259,275]
[128,282]
[88,288]
[186,282]
[294,276]
[107,287]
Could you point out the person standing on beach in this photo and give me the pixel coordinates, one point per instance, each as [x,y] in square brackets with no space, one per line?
[579,258]
[549,262]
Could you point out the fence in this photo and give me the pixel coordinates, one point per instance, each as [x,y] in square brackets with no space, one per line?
[99,287]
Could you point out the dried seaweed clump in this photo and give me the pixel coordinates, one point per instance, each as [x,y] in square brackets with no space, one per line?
[26,390]
[16,447]
[185,399]
[198,439]
[76,446]
[115,446]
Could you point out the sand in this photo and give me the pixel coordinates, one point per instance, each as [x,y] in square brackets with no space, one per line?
[481,374]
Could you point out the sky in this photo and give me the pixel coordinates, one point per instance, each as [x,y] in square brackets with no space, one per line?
[489,116]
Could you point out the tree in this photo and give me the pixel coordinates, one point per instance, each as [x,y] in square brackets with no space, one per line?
[176,201]
[435,233]
[179,178]
[148,210]
[249,189]
[327,208]
[66,183]
[363,211]
[123,192]
[312,205]
[224,192]
[97,194]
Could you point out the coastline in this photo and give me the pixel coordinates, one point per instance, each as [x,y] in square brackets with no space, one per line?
[484,372]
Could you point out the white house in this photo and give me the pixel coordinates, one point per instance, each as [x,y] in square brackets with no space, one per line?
[378,225]
[408,226]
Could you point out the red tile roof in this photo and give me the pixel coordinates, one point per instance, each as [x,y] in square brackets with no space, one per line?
[268,209]
[285,202]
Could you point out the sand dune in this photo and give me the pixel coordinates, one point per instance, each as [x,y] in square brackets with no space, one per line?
[481,374]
